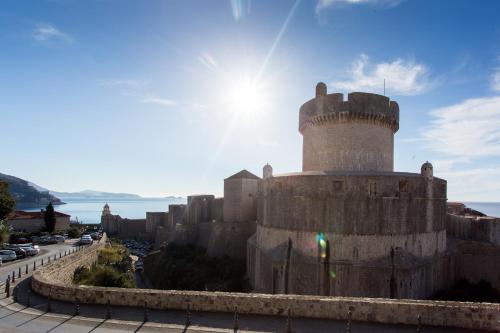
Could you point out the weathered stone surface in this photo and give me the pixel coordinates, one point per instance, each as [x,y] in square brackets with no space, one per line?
[54,280]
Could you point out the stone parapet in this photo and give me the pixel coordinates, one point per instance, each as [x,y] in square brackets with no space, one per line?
[371,108]
[450,314]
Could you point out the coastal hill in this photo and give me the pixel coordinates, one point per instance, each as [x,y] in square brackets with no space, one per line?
[90,194]
[28,194]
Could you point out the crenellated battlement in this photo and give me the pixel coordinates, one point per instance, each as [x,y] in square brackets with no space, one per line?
[365,107]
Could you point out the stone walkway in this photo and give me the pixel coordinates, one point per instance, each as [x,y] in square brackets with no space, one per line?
[18,317]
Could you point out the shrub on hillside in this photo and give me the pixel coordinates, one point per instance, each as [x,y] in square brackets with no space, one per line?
[113,269]
[188,268]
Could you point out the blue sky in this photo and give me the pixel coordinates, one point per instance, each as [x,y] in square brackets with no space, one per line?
[171,97]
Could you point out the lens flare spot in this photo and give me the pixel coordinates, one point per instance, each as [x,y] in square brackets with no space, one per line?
[332,274]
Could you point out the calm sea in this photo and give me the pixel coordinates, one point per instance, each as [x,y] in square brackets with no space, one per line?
[89,210]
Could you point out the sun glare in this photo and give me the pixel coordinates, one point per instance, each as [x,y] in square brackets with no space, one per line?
[247,97]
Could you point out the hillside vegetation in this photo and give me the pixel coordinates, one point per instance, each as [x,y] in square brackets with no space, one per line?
[27,195]
[180,267]
[113,269]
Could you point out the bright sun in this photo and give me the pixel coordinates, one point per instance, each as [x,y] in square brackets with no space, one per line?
[247,97]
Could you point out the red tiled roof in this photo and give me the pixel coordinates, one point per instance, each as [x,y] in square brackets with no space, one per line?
[20,214]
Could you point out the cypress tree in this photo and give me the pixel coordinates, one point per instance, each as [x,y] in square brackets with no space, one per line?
[50,218]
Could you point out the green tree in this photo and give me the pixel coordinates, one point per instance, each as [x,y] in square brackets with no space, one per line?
[4,232]
[7,203]
[50,218]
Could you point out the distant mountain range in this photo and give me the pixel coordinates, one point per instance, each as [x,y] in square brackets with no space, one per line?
[29,195]
[90,194]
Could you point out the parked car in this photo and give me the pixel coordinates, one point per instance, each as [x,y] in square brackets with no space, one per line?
[7,255]
[31,250]
[59,238]
[86,239]
[47,240]
[20,252]
[20,240]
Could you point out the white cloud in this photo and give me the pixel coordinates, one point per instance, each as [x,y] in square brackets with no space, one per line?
[46,32]
[158,101]
[495,80]
[402,77]
[325,4]
[473,184]
[465,130]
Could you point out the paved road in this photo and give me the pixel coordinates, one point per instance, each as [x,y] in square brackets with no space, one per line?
[46,251]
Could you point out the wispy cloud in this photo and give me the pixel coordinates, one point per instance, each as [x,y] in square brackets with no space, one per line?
[402,77]
[46,32]
[465,130]
[123,83]
[137,89]
[158,101]
[325,4]
[474,184]
[495,80]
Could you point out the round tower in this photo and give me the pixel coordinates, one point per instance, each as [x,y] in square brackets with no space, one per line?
[352,135]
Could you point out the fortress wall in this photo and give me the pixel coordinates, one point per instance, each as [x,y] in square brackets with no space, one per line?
[155,219]
[132,228]
[161,236]
[184,234]
[483,229]
[60,272]
[230,239]
[176,215]
[240,197]
[450,314]
[478,261]
[54,279]
[414,277]
[353,247]
[217,209]
[204,234]
[198,208]
[350,146]
[345,203]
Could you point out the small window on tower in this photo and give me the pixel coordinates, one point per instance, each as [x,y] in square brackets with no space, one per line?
[372,189]
[403,186]
[338,186]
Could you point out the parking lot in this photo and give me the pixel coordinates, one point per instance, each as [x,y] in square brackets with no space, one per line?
[46,251]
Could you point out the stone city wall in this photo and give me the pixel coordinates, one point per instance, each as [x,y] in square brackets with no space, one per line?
[60,271]
[477,261]
[453,314]
[482,229]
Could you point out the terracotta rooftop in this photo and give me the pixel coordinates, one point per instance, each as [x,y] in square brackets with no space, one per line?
[20,214]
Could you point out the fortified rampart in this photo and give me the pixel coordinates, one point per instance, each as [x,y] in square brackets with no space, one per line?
[54,279]
[352,135]
[477,228]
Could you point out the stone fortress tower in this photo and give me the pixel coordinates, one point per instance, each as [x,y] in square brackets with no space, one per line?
[348,225]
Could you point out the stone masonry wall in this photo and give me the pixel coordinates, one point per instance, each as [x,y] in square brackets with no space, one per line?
[482,229]
[54,280]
